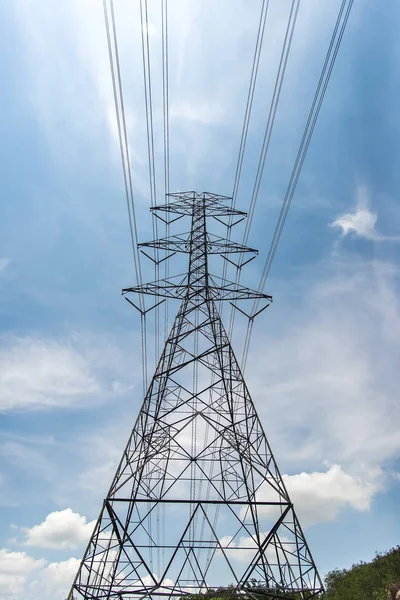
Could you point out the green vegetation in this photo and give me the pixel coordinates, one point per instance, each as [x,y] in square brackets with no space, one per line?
[376,580]
[256,592]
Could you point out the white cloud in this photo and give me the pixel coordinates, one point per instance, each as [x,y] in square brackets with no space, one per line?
[24,578]
[27,458]
[15,567]
[50,28]
[319,496]
[4,262]
[326,388]
[150,28]
[326,385]
[18,562]
[38,372]
[243,550]
[207,112]
[147,580]
[54,581]
[73,34]
[362,221]
[63,529]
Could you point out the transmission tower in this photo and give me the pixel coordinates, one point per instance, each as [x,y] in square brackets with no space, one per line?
[197,505]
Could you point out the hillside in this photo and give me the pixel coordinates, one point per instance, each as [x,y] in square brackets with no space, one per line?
[375,580]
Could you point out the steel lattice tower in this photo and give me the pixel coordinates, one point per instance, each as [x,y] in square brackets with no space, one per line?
[197,503]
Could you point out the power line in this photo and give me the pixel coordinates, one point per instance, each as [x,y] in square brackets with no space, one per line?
[151,153]
[246,121]
[333,49]
[161,521]
[272,111]
[250,97]
[291,25]
[122,132]
[238,172]
[165,86]
[113,54]
[165,82]
[153,187]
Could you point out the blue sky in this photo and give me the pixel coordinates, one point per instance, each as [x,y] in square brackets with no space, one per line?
[323,367]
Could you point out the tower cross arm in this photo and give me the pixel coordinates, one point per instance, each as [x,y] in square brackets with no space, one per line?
[214,204]
[214,244]
[185,208]
[217,288]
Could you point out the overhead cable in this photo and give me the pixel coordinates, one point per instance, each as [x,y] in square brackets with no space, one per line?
[335,42]
[290,28]
[151,154]
[165,86]
[113,54]
[250,97]
[246,121]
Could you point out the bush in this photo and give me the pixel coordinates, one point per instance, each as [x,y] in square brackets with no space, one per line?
[366,581]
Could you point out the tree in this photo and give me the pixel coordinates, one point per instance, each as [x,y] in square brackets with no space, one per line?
[366,581]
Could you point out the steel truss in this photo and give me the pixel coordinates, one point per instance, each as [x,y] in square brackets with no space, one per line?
[197,505]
